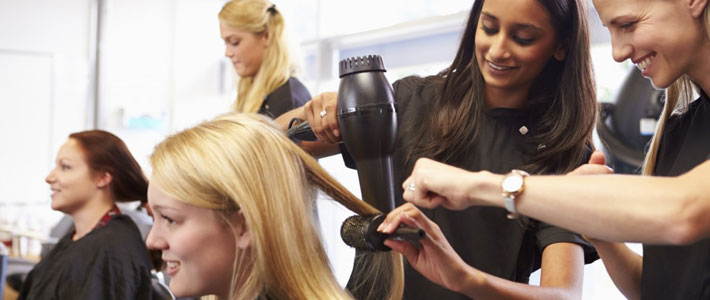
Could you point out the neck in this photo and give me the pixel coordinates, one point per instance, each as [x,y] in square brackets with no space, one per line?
[699,72]
[506,98]
[86,218]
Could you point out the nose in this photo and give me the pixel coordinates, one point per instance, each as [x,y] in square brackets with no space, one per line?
[154,240]
[228,51]
[499,48]
[50,177]
[620,48]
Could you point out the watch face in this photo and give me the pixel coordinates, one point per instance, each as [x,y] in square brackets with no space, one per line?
[512,183]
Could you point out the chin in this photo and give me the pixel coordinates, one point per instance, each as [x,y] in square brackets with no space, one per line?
[180,289]
[56,205]
[661,83]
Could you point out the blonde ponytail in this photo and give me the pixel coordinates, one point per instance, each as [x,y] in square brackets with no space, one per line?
[678,96]
[260,17]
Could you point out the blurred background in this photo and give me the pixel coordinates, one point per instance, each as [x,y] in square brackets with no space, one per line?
[145,69]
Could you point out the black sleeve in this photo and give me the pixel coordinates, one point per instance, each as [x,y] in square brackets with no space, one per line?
[547,234]
[290,95]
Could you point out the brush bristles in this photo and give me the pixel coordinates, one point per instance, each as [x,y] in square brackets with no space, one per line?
[354,230]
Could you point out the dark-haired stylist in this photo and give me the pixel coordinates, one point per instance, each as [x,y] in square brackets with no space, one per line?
[519,94]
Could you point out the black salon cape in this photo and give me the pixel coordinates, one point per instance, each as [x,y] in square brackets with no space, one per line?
[680,272]
[483,236]
[109,263]
[288,96]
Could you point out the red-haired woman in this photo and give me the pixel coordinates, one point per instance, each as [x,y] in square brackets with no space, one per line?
[104,256]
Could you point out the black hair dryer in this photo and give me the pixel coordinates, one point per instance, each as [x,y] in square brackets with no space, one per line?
[367,116]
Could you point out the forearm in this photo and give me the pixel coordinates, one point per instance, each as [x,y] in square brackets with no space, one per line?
[316,149]
[284,119]
[623,265]
[610,207]
[483,286]
[562,271]
[319,149]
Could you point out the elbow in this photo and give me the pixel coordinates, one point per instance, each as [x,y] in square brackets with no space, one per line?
[686,221]
[565,293]
[572,293]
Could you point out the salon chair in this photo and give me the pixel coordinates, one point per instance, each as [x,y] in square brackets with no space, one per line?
[18,268]
[3,268]
[626,124]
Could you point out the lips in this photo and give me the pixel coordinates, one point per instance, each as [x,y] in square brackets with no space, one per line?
[171,266]
[645,61]
[498,67]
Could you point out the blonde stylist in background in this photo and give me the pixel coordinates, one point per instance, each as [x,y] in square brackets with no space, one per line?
[255,43]
[669,40]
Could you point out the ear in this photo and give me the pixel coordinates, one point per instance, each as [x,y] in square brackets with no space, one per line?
[242,232]
[560,52]
[265,38]
[697,7]
[103,179]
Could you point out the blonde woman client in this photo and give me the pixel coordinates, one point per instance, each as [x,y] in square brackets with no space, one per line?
[234,216]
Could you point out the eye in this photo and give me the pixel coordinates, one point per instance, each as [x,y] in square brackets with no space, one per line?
[627,25]
[489,30]
[523,41]
[64,167]
[167,219]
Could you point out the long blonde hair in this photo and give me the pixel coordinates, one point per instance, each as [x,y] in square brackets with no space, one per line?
[242,162]
[678,96]
[260,17]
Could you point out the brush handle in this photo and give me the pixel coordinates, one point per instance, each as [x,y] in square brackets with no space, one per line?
[407,234]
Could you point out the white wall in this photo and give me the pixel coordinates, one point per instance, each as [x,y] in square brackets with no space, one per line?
[44,89]
[163,70]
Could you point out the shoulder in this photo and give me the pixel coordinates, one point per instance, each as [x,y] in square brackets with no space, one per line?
[410,85]
[415,89]
[299,92]
[119,243]
[296,85]
[679,117]
[288,96]
[120,235]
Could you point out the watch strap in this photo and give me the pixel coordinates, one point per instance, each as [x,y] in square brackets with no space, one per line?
[509,196]
[509,200]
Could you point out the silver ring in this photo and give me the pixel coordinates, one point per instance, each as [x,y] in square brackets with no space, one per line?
[323,113]
[412,187]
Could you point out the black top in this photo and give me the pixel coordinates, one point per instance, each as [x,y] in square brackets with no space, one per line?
[110,262]
[680,272]
[483,236]
[290,95]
